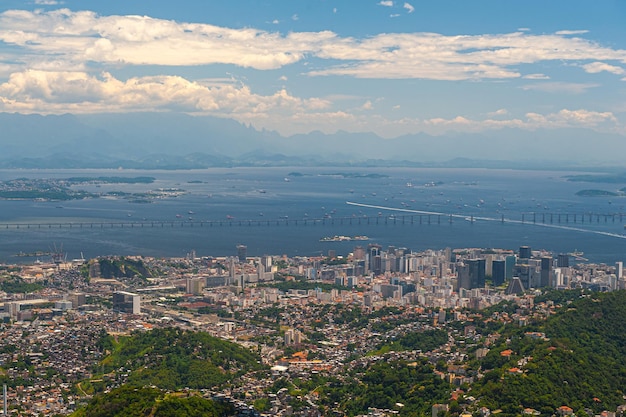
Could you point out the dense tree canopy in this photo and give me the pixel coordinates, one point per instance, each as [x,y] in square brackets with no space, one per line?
[581,363]
[173,358]
[129,401]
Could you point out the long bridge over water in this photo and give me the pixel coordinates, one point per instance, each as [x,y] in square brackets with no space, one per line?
[407,217]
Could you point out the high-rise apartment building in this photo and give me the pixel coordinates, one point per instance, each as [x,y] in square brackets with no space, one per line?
[242,252]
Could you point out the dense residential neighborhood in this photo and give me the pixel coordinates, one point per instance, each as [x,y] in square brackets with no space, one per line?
[322,328]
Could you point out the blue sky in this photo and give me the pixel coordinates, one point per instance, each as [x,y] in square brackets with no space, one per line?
[389,67]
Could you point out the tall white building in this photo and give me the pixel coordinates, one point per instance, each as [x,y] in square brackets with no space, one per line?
[126,302]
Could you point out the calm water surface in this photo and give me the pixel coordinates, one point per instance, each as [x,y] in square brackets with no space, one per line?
[270,194]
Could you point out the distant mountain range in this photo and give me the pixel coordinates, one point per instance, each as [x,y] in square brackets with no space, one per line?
[180,141]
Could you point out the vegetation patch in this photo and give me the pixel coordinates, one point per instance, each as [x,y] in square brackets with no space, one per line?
[173,359]
[129,401]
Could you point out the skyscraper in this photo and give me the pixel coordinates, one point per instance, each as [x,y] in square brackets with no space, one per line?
[562,261]
[525,252]
[498,272]
[126,302]
[266,261]
[359,253]
[463,277]
[510,266]
[476,272]
[375,261]
[546,272]
[242,252]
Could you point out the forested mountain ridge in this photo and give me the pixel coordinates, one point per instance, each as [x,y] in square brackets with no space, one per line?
[576,359]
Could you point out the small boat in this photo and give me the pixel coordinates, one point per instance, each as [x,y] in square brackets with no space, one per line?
[229,217]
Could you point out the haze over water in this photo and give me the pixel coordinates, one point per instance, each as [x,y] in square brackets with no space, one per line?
[271,194]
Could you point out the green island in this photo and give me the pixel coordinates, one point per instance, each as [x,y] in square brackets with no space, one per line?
[598,193]
[65,189]
[110,180]
[598,178]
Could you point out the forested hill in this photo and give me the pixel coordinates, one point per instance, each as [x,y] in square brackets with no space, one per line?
[140,402]
[173,359]
[580,363]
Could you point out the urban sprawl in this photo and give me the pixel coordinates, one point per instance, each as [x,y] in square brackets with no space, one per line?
[53,319]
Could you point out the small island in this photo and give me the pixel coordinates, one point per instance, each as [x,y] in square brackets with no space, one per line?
[598,193]
[355,175]
[598,178]
[65,189]
[343,238]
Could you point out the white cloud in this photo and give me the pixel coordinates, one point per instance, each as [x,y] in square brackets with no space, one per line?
[571,118]
[560,87]
[523,29]
[78,92]
[434,56]
[536,77]
[386,3]
[134,40]
[394,15]
[571,32]
[334,10]
[337,120]
[48,2]
[499,112]
[596,67]
[602,121]
[409,8]
[295,17]
[73,39]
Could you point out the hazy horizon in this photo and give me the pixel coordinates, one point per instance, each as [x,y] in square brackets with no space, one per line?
[495,77]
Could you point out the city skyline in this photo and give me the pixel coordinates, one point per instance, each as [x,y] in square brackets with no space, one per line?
[388,67]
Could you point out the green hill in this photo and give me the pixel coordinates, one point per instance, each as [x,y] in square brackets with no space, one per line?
[122,267]
[582,364]
[173,359]
[140,402]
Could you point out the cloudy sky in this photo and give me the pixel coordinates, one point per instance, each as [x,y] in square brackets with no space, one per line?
[389,67]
